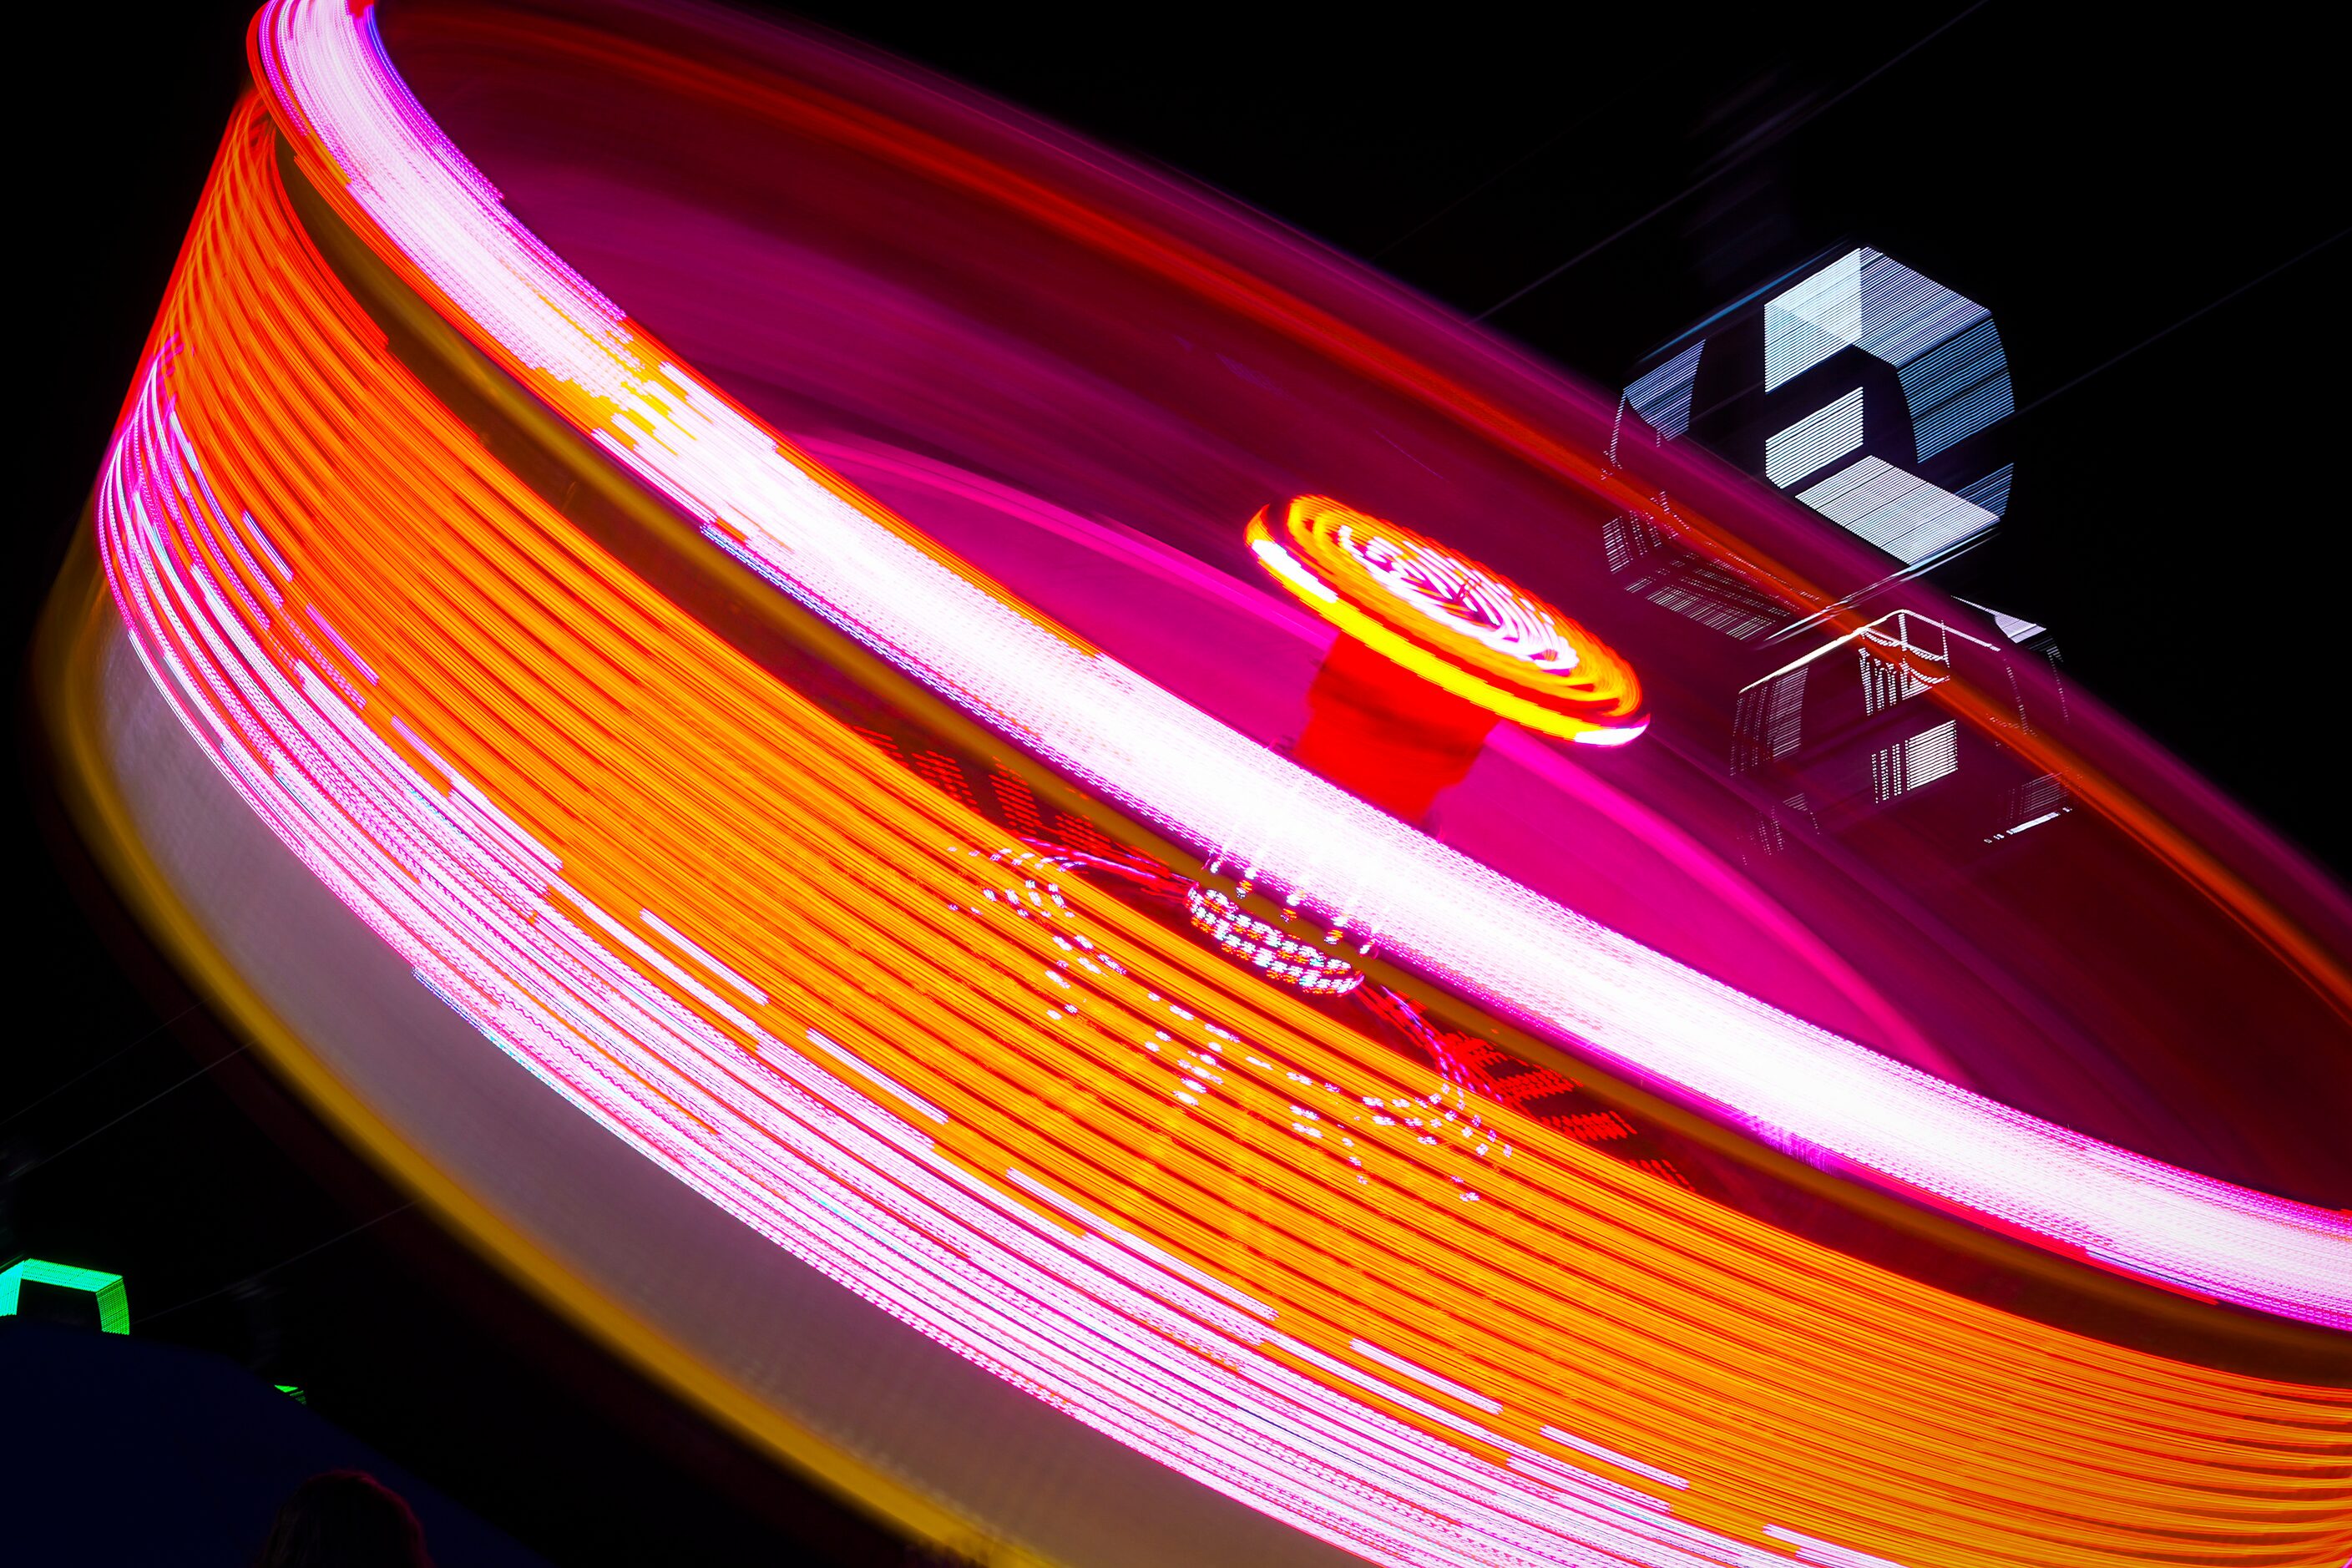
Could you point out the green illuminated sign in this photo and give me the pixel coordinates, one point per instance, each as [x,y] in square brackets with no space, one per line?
[113,1302]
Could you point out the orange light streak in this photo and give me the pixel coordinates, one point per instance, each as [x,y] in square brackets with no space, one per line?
[668,772]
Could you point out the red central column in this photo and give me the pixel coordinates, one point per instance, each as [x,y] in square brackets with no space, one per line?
[1385,736]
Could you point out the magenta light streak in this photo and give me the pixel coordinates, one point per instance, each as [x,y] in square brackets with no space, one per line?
[1135,1344]
[1199,780]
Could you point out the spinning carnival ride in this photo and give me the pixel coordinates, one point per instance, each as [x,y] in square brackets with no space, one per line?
[828,842]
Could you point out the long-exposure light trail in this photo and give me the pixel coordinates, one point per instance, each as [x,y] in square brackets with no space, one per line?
[1070,1141]
[1200,781]
[1450,621]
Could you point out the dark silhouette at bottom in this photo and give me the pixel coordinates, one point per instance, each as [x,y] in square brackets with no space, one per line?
[344,1519]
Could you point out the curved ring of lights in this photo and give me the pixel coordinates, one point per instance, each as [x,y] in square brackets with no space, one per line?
[377,157]
[788,960]
[1451,621]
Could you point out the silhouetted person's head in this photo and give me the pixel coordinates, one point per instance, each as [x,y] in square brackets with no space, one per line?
[344,1519]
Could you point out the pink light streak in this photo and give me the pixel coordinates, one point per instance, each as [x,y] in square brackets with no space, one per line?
[1200,782]
[1106,1327]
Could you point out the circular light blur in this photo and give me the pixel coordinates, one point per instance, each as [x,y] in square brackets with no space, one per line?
[1451,621]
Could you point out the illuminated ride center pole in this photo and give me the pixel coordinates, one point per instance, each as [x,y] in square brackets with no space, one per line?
[1433,648]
